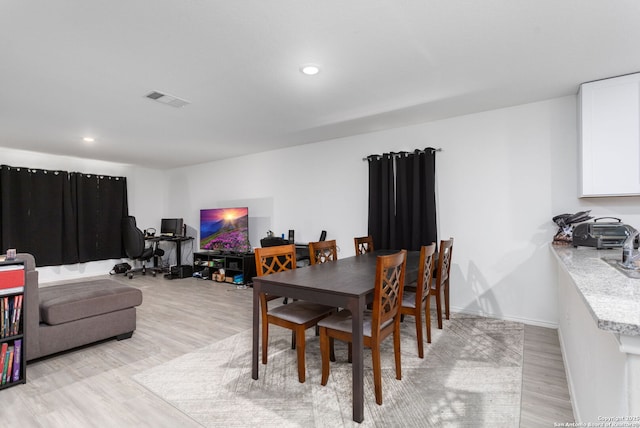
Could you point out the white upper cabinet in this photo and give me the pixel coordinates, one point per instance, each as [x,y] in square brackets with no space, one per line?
[610,137]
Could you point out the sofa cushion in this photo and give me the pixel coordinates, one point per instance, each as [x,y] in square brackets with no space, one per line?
[68,302]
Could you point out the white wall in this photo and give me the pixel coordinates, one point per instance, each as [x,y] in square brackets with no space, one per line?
[146,193]
[501,177]
[495,194]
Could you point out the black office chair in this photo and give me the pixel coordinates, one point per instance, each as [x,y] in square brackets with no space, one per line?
[134,246]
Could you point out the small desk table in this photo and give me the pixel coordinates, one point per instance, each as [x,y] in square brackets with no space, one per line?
[178,240]
[346,283]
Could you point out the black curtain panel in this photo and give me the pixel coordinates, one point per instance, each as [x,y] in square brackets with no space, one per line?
[35,214]
[402,203]
[382,201]
[416,199]
[101,205]
[60,217]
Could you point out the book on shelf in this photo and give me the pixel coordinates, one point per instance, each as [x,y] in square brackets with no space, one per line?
[5,364]
[17,313]
[3,357]
[6,378]
[17,354]
[10,315]
[5,317]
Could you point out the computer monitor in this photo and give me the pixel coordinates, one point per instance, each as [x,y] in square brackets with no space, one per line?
[171,226]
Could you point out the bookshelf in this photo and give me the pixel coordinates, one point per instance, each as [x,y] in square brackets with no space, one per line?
[238,268]
[12,337]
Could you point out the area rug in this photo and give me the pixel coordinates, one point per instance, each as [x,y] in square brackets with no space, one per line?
[471,376]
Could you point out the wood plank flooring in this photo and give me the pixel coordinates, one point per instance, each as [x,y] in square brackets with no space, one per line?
[92,386]
[545,394]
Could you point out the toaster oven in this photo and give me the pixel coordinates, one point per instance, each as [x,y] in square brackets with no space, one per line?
[600,235]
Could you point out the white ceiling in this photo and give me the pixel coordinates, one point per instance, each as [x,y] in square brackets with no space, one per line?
[72,68]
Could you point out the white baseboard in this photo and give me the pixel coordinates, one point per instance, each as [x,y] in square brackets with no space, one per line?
[527,321]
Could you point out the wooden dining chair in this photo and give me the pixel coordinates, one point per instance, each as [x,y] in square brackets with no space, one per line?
[415,302]
[378,324]
[440,283]
[323,251]
[298,315]
[364,244]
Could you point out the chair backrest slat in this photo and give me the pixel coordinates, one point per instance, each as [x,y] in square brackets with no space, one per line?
[425,272]
[364,244]
[389,287]
[275,259]
[444,261]
[322,252]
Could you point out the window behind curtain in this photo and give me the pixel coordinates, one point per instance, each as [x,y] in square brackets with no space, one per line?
[50,215]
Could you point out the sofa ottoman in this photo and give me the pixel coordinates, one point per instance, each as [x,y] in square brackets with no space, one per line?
[77,314]
[70,302]
[65,316]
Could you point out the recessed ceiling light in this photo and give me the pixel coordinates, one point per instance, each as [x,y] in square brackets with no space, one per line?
[310,69]
[88,139]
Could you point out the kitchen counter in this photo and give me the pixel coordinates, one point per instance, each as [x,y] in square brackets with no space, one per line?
[612,298]
[599,332]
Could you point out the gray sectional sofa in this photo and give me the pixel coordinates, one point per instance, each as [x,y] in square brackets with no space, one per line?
[65,316]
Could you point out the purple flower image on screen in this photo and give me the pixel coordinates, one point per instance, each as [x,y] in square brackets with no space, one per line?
[225,229]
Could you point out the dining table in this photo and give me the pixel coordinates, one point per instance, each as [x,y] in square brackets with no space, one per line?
[344,283]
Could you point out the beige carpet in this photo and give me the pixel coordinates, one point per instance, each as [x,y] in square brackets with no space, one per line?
[471,376]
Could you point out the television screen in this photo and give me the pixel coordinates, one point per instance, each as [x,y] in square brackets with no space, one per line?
[225,229]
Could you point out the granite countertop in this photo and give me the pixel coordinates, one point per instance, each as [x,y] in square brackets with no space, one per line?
[612,297]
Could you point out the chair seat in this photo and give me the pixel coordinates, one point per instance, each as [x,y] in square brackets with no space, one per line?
[146,254]
[300,312]
[341,321]
[434,281]
[409,299]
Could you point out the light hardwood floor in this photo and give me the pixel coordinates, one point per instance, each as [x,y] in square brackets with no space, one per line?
[92,386]
[545,395]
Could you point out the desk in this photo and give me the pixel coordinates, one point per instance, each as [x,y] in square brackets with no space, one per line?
[178,240]
[346,283]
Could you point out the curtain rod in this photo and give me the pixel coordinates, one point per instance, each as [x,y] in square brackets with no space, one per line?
[402,153]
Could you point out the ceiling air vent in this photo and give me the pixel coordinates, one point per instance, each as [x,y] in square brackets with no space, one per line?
[167,99]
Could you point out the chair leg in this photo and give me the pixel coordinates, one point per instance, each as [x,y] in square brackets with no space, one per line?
[324,352]
[332,352]
[265,340]
[300,348]
[439,306]
[293,339]
[427,315]
[377,372]
[418,316]
[396,352]
[446,298]
[350,354]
